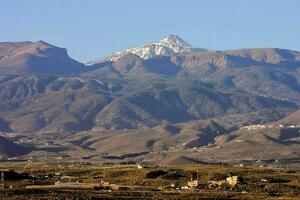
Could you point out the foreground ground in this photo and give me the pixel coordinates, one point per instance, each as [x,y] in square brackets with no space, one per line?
[155,182]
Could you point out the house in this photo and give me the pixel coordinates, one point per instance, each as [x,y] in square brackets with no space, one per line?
[185,187]
[140,167]
[232,180]
[193,183]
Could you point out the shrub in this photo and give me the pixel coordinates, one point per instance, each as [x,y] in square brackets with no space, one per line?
[155,174]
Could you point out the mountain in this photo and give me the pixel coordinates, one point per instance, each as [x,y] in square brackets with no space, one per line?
[270,72]
[164,96]
[31,104]
[135,91]
[36,58]
[56,104]
[168,46]
[267,72]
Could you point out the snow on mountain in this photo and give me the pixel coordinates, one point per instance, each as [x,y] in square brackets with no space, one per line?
[166,47]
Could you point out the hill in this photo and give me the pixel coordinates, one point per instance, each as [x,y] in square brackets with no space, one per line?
[10,149]
[293,118]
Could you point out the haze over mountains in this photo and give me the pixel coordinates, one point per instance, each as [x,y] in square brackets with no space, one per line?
[164,87]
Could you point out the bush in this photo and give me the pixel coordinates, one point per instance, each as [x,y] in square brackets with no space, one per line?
[219,176]
[155,174]
[278,180]
[175,175]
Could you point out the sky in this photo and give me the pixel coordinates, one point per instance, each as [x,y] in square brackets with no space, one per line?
[93,28]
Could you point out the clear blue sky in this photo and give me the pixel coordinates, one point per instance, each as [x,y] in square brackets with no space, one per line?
[92,28]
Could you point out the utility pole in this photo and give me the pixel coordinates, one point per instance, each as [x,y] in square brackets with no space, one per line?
[103,174]
[2,180]
[2,177]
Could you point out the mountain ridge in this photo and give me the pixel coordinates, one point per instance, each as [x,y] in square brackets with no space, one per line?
[36,58]
[180,102]
[246,80]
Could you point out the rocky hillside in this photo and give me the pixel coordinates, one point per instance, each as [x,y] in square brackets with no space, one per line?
[58,104]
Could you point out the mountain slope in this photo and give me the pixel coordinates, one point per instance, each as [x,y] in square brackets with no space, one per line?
[292,119]
[71,104]
[33,103]
[179,101]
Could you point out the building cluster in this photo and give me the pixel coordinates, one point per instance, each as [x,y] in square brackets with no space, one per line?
[288,126]
[68,182]
[263,126]
[230,180]
[195,185]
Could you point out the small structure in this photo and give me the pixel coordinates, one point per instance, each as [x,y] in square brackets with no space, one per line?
[232,180]
[2,185]
[256,127]
[104,182]
[140,167]
[57,174]
[184,187]
[2,177]
[287,126]
[193,183]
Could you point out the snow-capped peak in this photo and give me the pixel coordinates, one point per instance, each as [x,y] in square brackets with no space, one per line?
[175,43]
[168,46]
